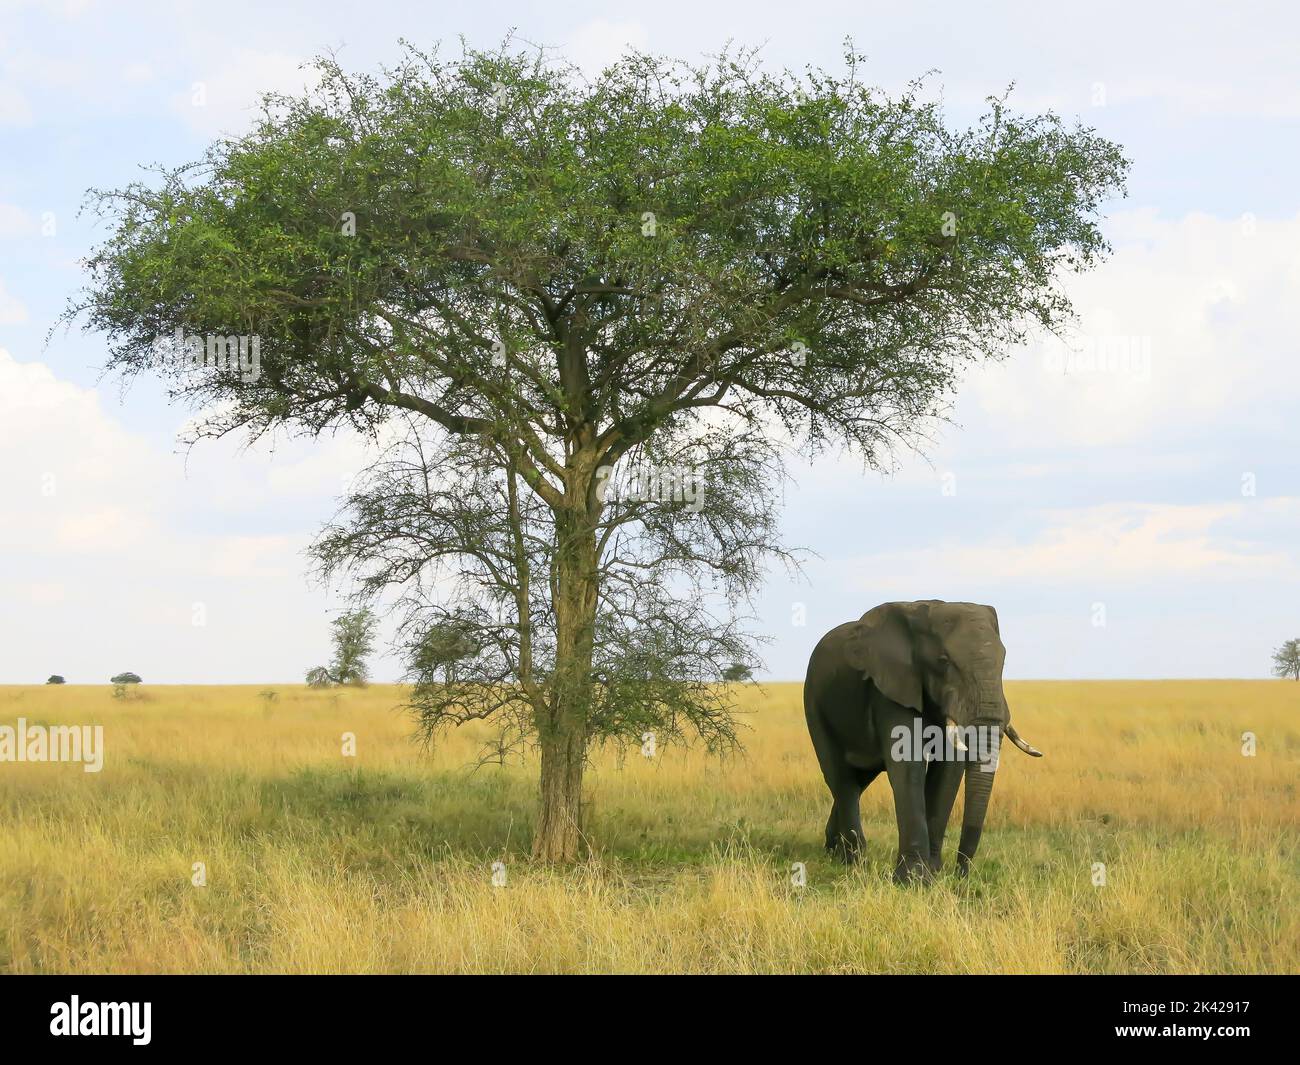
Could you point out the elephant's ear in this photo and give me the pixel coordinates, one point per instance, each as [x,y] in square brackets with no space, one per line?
[994,613]
[879,646]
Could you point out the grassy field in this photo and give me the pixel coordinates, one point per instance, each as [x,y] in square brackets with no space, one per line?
[382,863]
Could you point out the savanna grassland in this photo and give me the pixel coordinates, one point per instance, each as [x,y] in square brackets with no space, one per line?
[382,862]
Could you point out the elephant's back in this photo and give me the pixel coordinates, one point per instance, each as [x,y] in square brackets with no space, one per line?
[827,667]
[835,705]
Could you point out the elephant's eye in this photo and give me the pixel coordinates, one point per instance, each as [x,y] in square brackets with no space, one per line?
[943,660]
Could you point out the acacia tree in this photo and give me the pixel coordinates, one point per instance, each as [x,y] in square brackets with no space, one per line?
[354,640]
[553,277]
[1286,660]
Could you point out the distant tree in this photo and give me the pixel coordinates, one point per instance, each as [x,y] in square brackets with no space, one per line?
[354,639]
[1286,660]
[56,679]
[737,671]
[319,677]
[120,682]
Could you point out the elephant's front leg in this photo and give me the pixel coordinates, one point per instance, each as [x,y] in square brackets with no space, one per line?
[941,783]
[907,778]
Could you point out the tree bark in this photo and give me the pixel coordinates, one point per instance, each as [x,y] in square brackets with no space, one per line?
[563,728]
[559,836]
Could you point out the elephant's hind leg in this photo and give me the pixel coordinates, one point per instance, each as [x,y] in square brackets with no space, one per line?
[844,835]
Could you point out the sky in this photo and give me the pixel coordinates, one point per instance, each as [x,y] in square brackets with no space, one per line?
[1129,501]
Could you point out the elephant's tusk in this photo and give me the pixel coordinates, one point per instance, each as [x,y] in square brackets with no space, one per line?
[954,735]
[1014,737]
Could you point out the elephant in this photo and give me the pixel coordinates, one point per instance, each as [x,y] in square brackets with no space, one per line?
[915,690]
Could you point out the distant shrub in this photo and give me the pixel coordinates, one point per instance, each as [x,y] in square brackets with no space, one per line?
[269,697]
[319,678]
[737,671]
[56,679]
[120,682]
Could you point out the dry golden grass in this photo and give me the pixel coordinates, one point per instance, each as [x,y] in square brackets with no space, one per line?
[319,863]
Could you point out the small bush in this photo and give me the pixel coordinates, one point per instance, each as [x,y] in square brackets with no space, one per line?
[319,678]
[56,679]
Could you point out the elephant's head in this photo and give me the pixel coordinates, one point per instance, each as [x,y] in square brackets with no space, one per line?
[945,657]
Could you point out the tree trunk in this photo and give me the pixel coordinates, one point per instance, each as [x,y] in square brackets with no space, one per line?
[562,728]
[559,821]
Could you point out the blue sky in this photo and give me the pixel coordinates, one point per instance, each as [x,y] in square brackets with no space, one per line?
[1157,492]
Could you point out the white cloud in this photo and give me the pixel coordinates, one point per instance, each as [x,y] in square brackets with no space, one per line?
[1255,93]
[70,9]
[225,100]
[47,593]
[1134,543]
[1191,320]
[597,44]
[1250,95]
[103,530]
[70,469]
[15,109]
[15,222]
[118,545]
[257,556]
[12,312]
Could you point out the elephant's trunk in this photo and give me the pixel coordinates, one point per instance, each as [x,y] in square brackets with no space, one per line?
[991,704]
[979,786]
